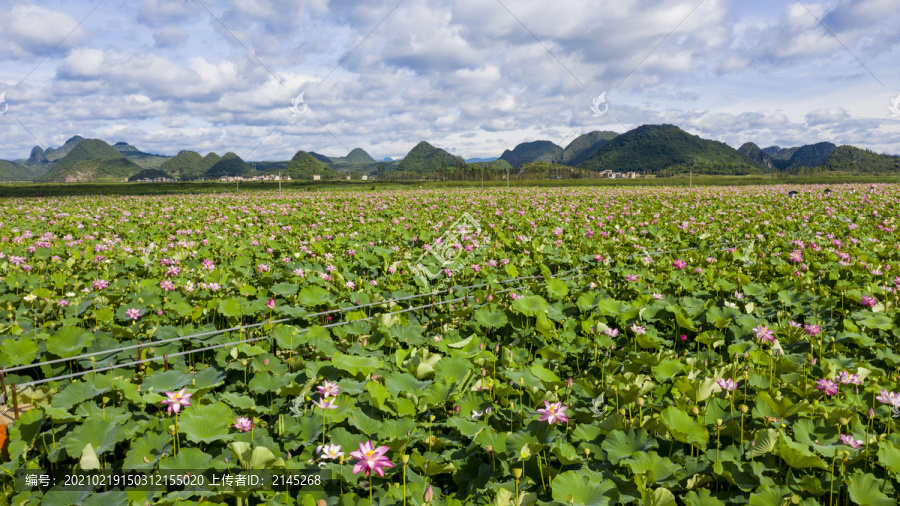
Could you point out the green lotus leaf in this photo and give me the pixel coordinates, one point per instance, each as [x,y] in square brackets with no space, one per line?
[311,296]
[763,443]
[488,318]
[355,364]
[19,351]
[889,457]
[530,305]
[206,423]
[684,428]
[557,288]
[230,308]
[701,497]
[89,460]
[798,455]
[864,488]
[584,488]
[69,341]
[101,434]
[188,458]
[619,445]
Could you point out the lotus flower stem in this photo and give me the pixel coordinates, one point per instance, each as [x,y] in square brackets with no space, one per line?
[541,470]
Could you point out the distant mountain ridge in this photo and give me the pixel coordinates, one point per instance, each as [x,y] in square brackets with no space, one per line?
[91,160]
[658,149]
[425,158]
[527,152]
[583,147]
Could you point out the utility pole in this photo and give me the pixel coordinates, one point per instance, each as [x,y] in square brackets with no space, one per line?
[279,181]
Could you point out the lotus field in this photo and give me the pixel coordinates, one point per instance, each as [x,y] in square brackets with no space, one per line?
[507,347]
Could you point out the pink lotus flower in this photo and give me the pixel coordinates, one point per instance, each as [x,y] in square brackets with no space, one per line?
[889,398]
[632,278]
[637,329]
[611,332]
[764,334]
[100,284]
[270,304]
[679,264]
[553,413]
[329,451]
[868,301]
[167,285]
[728,384]
[243,424]
[325,403]
[329,389]
[812,330]
[133,313]
[827,386]
[371,459]
[846,378]
[176,400]
[848,440]
[209,265]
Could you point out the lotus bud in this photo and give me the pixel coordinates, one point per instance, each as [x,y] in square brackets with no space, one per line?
[488,410]
[718,422]
[753,443]
[569,382]
[431,418]
[321,502]
[244,363]
[696,411]
[587,452]
[640,401]
[871,414]
[521,381]
[490,448]
[480,346]
[429,494]
[456,409]
[744,408]
[405,459]
[843,421]
[517,473]
[483,372]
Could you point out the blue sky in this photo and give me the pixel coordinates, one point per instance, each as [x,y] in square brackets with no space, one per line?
[474,77]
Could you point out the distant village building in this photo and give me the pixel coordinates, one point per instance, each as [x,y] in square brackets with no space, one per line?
[316,177]
[365,178]
[348,178]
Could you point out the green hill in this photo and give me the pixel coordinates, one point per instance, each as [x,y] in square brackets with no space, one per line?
[230,165]
[425,158]
[91,160]
[537,151]
[144,160]
[756,155]
[851,159]
[304,165]
[811,155]
[583,147]
[149,174]
[322,158]
[657,149]
[189,164]
[357,156]
[498,164]
[54,154]
[10,171]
